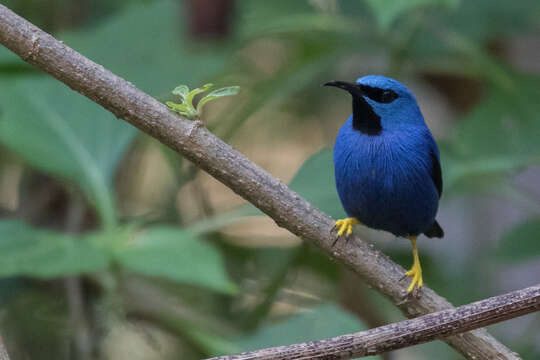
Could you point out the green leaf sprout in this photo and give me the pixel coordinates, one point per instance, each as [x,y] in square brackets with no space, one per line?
[186,108]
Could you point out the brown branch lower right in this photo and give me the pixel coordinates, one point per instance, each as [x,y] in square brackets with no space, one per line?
[406,333]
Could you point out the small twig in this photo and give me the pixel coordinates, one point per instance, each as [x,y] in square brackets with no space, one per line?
[3,352]
[406,333]
[233,169]
[82,338]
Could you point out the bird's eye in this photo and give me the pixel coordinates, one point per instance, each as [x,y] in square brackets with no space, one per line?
[388,96]
[384,96]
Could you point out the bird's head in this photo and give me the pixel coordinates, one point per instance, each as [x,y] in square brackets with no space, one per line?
[380,102]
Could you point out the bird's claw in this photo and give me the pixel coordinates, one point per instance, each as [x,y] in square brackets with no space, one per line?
[416,273]
[344,226]
[416,293]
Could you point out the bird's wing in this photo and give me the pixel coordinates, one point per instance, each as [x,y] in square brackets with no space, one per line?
[436,173]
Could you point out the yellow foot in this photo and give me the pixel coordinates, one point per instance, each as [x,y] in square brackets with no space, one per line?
[416,274]
[416,271]
[344,226]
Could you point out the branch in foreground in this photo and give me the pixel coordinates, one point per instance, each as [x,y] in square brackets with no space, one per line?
[408,332]
[233,169]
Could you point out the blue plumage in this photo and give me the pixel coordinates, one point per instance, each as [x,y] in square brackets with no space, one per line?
[385,180]
[386,161]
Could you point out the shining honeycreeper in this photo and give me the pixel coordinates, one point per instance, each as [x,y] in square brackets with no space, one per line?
[387,167]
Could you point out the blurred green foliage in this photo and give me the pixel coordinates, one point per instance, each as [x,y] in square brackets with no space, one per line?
[498,136]
[318,323]
[316,174]
[67,136]
[174,268]
[177,255]
[45,254]
[520,243]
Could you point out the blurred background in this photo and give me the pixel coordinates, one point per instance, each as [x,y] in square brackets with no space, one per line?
[114,247]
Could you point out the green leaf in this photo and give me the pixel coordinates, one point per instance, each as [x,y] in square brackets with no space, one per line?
[192,93]
[226,91]
[314,324]
[65,135]
[154,50]
[46,254]
[500,135]
[481,20]
[387,11]
[154,56]
[177,107]
[181,91]
[315,181]
[186,110]
[177,255]
[520,243]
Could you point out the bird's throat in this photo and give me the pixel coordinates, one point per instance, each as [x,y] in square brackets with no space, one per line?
[365,119]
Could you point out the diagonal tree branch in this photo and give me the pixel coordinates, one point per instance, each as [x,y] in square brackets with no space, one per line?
[406,333]
[233,169]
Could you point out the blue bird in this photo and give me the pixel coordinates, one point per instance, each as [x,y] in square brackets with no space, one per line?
[387,167]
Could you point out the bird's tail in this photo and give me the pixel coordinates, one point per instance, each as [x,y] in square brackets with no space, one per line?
[435,230]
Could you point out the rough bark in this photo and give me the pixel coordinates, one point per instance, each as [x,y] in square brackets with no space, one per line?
[406,333]
[233,169]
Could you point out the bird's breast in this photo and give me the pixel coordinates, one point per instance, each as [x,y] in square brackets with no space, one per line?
[384,181]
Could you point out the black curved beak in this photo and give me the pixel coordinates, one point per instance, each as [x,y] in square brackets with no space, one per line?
[365,119]
[353,88]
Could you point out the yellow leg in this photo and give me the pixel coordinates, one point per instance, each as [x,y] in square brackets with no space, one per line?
[416,271]
[344,226]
